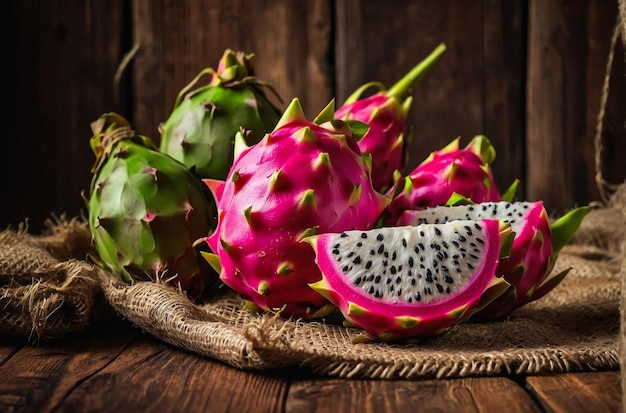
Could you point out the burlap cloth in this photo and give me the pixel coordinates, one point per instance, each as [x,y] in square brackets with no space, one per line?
[49,288]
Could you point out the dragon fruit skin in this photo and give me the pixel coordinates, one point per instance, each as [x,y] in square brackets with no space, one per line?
[388,319]
[147,210]
[301,179]
[534,251]
[386,113]
[202,126]
[445,177]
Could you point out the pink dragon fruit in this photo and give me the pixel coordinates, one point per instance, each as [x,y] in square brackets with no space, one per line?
[448,176]
[386,114]
[412,281]
[534,251]
[301,179]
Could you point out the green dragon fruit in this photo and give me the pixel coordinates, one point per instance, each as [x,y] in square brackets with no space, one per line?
[146,210]
[448,176]
[303,178]
[412,281]
[535,248]
[386,113]
[201,129]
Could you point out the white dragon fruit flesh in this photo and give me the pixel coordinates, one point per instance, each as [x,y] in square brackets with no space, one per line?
[534,251]
[448,176]
[412,281]
[301,179]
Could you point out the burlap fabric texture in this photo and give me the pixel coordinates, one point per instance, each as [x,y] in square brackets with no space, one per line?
[574,328]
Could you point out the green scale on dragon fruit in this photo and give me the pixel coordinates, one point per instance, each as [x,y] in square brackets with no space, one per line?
[201,128]
[147,210]
[385,112]
[534,251]
[302,179]
[450,175]
[412,281]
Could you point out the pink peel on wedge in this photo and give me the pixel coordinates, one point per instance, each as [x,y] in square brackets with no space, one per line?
[406,282]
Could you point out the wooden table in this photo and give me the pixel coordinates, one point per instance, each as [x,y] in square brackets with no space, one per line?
[114,367]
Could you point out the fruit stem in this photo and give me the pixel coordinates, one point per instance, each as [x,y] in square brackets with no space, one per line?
[400,89]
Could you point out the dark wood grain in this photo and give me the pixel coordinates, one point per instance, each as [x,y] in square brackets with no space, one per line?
[291,42]
[39,378]
[566,69]
[467,395]
[579,392]
[60,58]
[383,40]
[504,83]
[153,376]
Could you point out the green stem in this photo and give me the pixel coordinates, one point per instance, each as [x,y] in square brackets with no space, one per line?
[400,90]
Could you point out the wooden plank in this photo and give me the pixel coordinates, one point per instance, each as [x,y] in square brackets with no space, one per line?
[291,42]
[63,56]
[578,392]
[42,376]
[153,376]
[564,38]
[504,61]
[467,395]
[383,40]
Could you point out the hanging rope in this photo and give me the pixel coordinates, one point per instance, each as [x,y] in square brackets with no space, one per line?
[606,188]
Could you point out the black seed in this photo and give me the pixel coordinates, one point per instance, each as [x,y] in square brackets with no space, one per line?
[377,279]
[477,226]
[388,281]
[371,290]
[456,244]
[448,279]
[385,263]
[394,256]
[350,254]
[363,235]
[418,296]
[462,238]
[439,287]
[428,291]
[444,244]
[381,249]
[447,289]
[417,249]
[410,261]
[391,288]
[392,269]
[470,266]
[480,241]
[400,268]
[368,265]
[398,280]
[357,260]
[422,258]
[410,273]
[440,256]
[422,233]
[359,244]
[336,251]
[378,294]
[435,263]
[437,231]
[372,252]
[370,278]
[429,275]
[468,230]
[473,256]
[345,268]
[357,281]
[413,281]
[421,246]
[484,207]
[409,300]
[343,235]
[404,244]
[386,254]
[380,237]
[337,245]
[399,292]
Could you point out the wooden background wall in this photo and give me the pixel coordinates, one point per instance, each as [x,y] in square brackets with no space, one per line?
[527,74]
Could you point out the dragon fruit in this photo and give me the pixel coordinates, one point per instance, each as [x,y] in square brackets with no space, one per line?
[412,281]
[535,248]
[386,114]
[201,128]
[448,176]
[303,178]
[146,210]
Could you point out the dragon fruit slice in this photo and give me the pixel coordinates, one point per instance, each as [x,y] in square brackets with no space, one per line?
[412,281]
[146,210]
[534,251]
[202,126]
[448,176]
[386,114]
[303,178]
